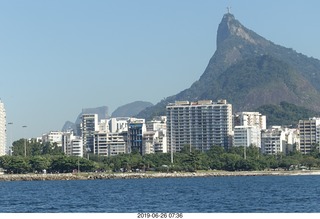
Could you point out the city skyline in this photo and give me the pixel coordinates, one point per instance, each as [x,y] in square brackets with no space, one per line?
[59,57]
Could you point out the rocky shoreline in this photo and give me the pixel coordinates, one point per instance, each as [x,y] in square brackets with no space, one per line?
[106,176]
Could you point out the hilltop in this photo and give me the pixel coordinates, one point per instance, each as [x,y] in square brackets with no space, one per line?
[250,72]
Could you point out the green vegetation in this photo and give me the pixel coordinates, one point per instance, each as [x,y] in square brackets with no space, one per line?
[285,114]
[217,158]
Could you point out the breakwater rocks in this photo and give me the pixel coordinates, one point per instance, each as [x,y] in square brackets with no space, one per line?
[96,176]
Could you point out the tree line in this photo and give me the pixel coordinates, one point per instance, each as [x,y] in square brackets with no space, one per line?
[45,156]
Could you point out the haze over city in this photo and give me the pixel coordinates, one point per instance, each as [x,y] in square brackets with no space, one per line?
[57,57]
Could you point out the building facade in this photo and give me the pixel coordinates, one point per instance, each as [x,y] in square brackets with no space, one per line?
[109,143]
[136,128]
[118,124]
[53,137]
[72,145]
[157,123]
[273,140]
[200,124]
[250,119]
[89,125]
[3,127]
[246,136]
[309,134]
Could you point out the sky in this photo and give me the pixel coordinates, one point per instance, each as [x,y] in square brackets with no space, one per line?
[58,57]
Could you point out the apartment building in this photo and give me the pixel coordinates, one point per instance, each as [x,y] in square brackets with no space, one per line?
[246,136]
[110,143]
[309,134]
[72,145]
[273,140]
[53,137]
[89,125]
[154,141]
[157,123]
[118,124]
[136,128]
[250,119]
[200,124]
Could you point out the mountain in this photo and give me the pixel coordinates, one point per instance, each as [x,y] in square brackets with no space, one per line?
[250,71]
[102,112]
[131,109]
[127,110]
[285,114]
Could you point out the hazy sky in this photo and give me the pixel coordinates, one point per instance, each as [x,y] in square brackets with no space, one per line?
[57,57]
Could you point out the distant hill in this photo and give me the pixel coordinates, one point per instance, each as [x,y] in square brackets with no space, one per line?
[131,109]
[102,112]
[286,114]
[128,110]
[251,71]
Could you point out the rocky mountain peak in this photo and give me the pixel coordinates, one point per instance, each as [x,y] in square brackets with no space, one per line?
[229,27]
[250,71]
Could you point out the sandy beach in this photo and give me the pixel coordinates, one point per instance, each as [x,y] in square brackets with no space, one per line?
[106,176]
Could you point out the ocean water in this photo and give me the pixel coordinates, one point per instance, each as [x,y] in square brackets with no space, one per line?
[249,194]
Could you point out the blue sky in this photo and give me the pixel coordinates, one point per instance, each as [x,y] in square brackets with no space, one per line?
[57,57]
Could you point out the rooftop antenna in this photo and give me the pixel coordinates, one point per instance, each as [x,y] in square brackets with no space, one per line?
[228,9]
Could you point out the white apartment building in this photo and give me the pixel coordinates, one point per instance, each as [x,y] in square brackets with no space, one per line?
[118,124]
[160,141]
[72,145]
[250,119]
[103,125]
[157,123]
[246,136]
[200,124]
[109,143]
[53,137]
[309,134]
[292,140]
[155,138]
[273,140]
[154,142]
[148,142]
[3,125]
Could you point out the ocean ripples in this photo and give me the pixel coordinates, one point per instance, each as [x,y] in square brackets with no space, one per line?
[252,194]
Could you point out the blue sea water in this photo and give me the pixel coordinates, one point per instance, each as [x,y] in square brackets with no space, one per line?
[249,194]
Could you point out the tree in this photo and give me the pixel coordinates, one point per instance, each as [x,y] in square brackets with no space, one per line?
[309,161]
[272,161]
[18,148]
[230,161]
[287,162]
[193,161]
[18,164]
[40,163]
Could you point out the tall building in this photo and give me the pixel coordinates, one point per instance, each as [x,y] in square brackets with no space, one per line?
[3,135]
[200,124]
[136,128]
[89,125]
[309,134]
